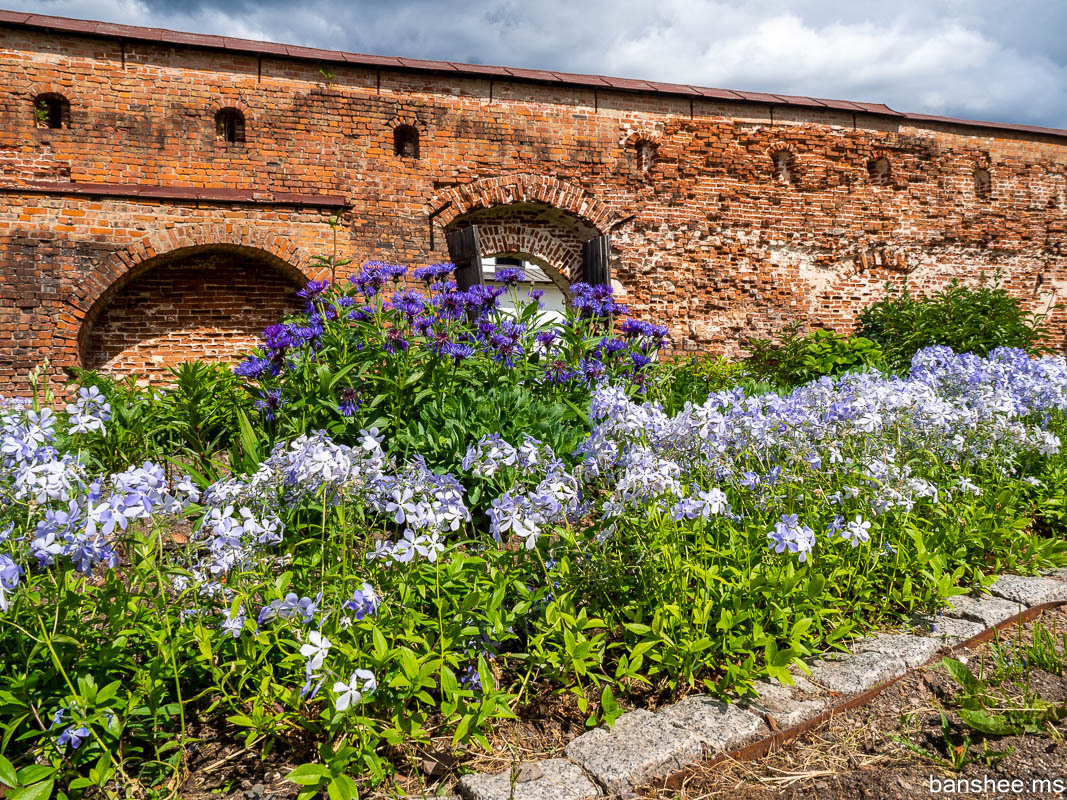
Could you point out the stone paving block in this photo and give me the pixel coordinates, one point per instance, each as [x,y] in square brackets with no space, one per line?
[720,727]
[554,779]
[785,704]
[1029,591]
[986,609]
[858,672]
[913,650]
[949,631]
[641,746]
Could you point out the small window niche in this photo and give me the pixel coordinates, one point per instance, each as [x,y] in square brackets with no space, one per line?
[646,155]
[880,171]
[784,168]
[230,126]
[406,141]
[51,111]
[983,184]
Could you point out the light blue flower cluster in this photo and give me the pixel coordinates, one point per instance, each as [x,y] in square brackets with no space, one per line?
[67,515]
[242,518]
[90,411]
[873,435]
[540,492]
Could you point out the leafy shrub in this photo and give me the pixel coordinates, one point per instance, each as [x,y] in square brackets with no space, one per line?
[799,359]
[967,320]
[674,382]
[189,422]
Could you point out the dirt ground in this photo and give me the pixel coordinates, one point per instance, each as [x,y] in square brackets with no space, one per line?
[861,753]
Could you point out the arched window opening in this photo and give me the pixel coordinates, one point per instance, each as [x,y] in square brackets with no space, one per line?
[783,166]
[646,155]
[983,183]
[879,170]
[230,125]
[531,283]
[406,141]
[51,111]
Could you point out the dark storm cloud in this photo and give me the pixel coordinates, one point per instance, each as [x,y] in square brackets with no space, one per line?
[967,58]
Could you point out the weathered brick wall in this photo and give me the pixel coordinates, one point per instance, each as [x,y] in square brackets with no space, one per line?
[709,235]
[209,306]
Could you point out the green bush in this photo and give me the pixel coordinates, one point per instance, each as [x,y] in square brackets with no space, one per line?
[190,421]
[967,320]
[799,359]
[673,383]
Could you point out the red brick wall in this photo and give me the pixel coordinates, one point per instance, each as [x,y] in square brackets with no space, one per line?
[707,239]
[211,307]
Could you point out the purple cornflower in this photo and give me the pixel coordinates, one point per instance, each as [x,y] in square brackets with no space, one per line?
[434,272]
[505,343]
[370,280]
[457,352]
[634,327]
[439,340]
[640,360]
[592,370]
[423,325]
[509,276]
[544,340]
[269,402]
[409,302]
[450,305]
[395,341]
[480,299]
[350,401]
[559,372]
[277,338]
[255,367]
[537,294]
[394,271]
[312,291]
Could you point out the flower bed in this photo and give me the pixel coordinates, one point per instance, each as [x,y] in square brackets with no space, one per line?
[394,554]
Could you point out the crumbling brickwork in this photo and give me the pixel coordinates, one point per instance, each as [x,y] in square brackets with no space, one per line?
[137,234]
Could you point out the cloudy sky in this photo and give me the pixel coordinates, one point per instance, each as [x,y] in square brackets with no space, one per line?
[979,59]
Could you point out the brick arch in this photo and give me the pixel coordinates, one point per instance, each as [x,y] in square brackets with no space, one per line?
[558,254]
[219,103]
[37,89]
[66,92]
[108,276]
[457,201]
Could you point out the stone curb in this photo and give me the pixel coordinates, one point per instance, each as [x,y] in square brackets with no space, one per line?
[645,747]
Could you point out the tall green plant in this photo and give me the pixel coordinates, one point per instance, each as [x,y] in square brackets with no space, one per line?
[799,359]
[967,320]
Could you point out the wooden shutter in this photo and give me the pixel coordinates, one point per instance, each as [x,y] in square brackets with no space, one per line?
[466,253]
[596,260]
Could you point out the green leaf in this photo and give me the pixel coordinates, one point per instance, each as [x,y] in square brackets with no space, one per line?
[38,791]
[342,788]
[309,774]
[993,724]
[961,674]
[7,773]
